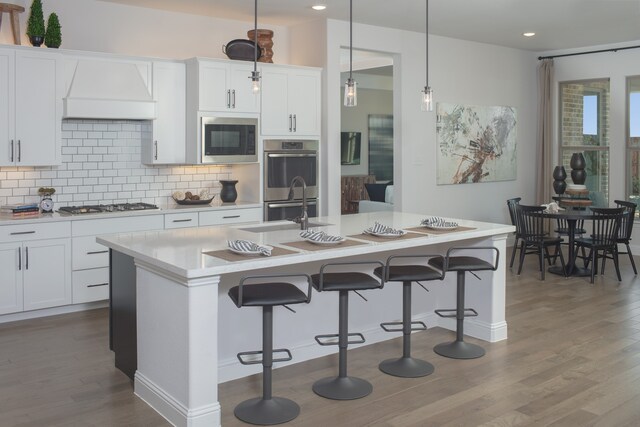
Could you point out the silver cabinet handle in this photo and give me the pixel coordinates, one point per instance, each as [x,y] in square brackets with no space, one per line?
[97,284]
[295,123]
[231,216]
[19,149]
[290,122]
[228,99]
[19,259]
[182,220]
[18,233]
[26,258]
[233,92]
[98,252]
[155,156]
[12,151]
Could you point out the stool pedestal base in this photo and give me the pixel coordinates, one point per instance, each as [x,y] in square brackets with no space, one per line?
[276,410]
[342,388]
[459,350]
[406,367]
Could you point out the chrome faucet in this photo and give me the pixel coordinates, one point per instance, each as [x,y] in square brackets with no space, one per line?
[303,219]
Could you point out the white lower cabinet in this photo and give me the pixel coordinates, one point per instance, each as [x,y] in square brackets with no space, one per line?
[35,274]
[230,216]
[90,285]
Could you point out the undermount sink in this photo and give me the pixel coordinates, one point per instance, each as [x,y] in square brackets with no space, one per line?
[281,227]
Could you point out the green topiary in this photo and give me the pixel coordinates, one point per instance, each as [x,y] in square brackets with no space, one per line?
[53,36]
[35,24]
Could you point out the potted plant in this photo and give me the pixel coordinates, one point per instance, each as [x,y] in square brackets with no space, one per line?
[35,24]
[53,35]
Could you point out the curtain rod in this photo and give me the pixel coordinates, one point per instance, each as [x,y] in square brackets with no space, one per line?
[615,49]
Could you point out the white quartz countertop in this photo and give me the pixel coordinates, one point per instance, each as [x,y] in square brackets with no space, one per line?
[181,252]
[56,216]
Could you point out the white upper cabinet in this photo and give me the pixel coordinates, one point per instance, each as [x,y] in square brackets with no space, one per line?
[221,86]
[290,101]
[167,142]
[31,88]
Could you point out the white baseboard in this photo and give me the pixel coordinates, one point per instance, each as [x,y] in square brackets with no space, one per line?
[478,329]
[172,410]
[53,311]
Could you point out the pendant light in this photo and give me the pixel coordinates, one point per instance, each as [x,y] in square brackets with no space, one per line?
[350,87]
[255,74]
[427,92]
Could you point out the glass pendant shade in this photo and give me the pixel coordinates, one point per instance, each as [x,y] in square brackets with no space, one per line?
[255,82]
[427,99]
[350,93]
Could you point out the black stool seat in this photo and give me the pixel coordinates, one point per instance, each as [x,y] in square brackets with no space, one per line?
[409,273]
[348,281]
[462,263]
[459,349]
[264,294]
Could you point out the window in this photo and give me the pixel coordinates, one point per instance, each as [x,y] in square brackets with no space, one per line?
[633,139]
[584,127]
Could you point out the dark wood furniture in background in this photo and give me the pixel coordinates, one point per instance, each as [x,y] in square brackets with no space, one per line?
[352,189]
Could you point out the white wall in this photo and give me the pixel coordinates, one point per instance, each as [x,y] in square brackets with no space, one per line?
[109,27]
[460,71]
[616,66]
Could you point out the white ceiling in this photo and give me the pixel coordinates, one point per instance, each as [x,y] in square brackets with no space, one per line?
[559,24]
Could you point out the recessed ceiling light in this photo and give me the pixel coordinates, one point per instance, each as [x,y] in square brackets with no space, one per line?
[319,7]
[530,34]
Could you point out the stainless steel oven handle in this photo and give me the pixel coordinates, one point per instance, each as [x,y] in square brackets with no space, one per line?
[288,205]
[290,155]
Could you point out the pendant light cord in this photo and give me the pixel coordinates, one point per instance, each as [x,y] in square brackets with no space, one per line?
[255,37]
[350,39]
[427,44]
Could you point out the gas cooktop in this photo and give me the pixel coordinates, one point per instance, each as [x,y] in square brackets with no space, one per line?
[118,207]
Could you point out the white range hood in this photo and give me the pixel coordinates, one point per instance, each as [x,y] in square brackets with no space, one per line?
[107,90]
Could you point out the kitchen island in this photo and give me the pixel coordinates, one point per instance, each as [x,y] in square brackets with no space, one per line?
[188,330]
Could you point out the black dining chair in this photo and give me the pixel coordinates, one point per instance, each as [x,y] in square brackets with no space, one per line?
[512,205]
[533,239]
[603,238]
[624,234]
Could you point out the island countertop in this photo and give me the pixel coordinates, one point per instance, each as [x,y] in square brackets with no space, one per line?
[182,251]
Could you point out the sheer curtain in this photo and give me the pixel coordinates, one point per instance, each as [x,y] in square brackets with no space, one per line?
[544,133]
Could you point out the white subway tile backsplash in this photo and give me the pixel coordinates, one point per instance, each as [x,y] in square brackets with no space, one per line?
[101,164]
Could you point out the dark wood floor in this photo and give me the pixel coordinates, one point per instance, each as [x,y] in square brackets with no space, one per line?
[572,359]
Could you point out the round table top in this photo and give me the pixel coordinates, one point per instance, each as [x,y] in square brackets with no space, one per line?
[571,214]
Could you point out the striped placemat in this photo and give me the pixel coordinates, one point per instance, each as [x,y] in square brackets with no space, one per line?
[426,230]
[308,246]
[372,238]
[227,255]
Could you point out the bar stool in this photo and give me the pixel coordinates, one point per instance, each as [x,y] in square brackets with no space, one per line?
[407,366]
[459,349]
[267,410]
[343,387]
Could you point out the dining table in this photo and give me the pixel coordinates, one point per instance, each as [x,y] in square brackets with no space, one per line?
[572,216]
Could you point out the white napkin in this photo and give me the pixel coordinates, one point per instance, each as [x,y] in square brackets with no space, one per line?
[436,221]
[383,229]
[248,246]
[319,236]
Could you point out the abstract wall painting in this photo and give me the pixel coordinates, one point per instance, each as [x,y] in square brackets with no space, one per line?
[475,143]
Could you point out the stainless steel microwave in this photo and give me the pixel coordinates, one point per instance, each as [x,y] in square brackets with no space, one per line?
[229,140]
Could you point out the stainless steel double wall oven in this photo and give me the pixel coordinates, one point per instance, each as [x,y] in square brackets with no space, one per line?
[284,160]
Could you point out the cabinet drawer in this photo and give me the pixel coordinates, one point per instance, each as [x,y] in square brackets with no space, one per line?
[91,227]
[231,216]
[181,220]
[90,285]
[24,232]
[86,253]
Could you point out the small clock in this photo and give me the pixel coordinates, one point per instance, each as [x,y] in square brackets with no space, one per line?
[46,204]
